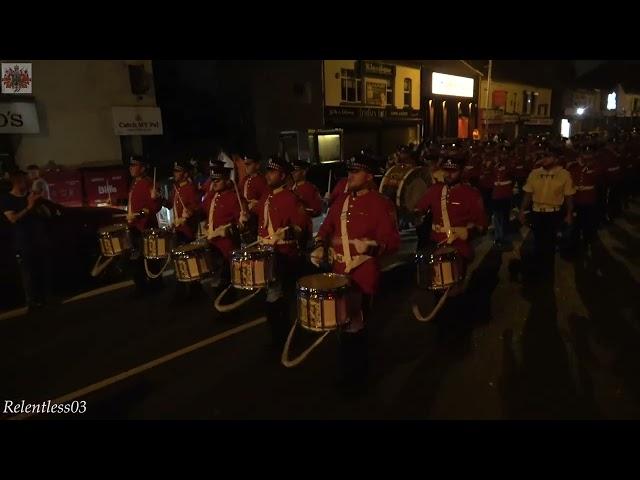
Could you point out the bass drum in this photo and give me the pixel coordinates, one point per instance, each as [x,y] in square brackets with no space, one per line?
[405,185]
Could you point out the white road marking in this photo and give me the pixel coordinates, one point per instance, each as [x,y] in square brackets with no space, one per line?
[147,366]
[14,313]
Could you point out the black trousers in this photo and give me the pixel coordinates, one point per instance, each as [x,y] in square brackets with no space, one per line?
[353,350]
[487,201]
[281,297]
[501,210]
[545,227]
[142,281]
[35,269]
[586,224]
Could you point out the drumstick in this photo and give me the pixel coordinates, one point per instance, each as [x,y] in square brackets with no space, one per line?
[108,190]
[258,241]
[329,187]
[235,187]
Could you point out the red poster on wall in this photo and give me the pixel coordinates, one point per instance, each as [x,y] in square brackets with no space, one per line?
[108,186]
[65,187]
[500,99]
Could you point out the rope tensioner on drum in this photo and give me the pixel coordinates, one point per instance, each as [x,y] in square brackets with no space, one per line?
[98,267]
[156,275]
[284,358]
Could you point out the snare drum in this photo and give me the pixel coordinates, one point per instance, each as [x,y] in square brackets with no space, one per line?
[325,301]
[156,243]
[252,268]
[439,269]
[193,261]
[114,240]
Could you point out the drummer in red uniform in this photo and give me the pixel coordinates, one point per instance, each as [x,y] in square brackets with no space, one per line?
[501,196]
[306,191]
[463,211]
[359,228]
[144,204]
[586,176]
[185,202]
[252,187]
[222,210]
[284,224]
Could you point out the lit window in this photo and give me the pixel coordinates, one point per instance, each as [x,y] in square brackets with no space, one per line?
[407,92]
[351,86]
[611,101]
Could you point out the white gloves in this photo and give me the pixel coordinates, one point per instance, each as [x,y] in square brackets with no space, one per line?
[362,246]
[277,236]
[317,255]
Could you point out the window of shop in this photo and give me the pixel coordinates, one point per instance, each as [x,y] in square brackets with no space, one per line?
[543,109]
[351,86]
[329,147]
[389,92]
[528,102]
[407,92]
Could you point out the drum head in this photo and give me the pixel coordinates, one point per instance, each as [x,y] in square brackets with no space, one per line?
[156,232]
[254,252]
[413,188]
[189,247]
[324,282]
[445,252]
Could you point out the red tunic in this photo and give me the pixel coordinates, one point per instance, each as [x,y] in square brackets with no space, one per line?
[502,182]
[139,199]
[464,206]
[369,216]
[252,188]
[226,210]
[309,196]
[586,177]
[188,197]
[284,210]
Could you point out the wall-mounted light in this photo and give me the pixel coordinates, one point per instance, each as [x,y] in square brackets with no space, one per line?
[580,110]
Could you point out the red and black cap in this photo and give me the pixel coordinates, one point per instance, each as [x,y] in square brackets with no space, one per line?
[218,169]
[453,162]
[363,161]
[275,162]
[138,160]
[301,164]
[182,165]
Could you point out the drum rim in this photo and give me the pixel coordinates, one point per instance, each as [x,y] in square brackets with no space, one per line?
[116,227]
[156,232]
[200,247]
[432,255]
[264,251]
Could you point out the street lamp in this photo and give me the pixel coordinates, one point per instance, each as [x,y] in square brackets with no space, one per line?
[580,110]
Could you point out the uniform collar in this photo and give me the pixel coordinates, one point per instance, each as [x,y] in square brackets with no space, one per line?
[278,190]
[361,192]
[297,184]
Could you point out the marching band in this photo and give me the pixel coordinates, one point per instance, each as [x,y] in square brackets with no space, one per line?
[257,234]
